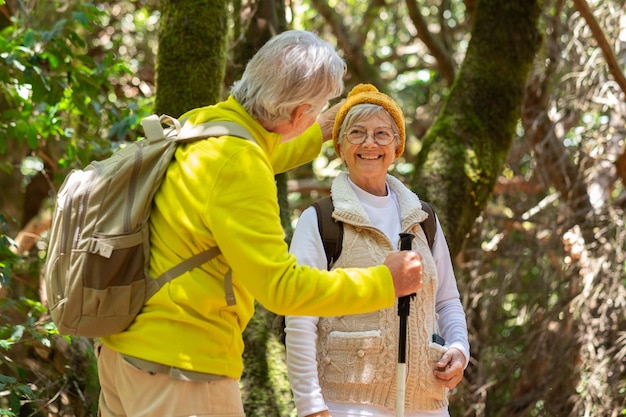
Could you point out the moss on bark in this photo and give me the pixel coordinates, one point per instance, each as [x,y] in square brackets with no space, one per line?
[192,54]
[466,147]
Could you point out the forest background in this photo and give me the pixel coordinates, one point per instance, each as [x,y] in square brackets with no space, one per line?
[516,119]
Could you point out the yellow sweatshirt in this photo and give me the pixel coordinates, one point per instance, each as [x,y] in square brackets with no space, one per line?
[221,192]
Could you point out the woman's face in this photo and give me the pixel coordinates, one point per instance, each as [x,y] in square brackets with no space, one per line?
[369,161]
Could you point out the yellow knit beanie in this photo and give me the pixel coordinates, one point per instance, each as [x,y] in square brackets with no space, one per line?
[368,94]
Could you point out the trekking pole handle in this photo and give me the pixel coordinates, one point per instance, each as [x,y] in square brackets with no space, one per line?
[406,241]
[404,303]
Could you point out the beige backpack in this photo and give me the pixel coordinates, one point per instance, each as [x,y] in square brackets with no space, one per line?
[96,270]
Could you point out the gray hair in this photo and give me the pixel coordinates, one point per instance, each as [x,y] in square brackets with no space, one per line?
[364,111]
[291,69]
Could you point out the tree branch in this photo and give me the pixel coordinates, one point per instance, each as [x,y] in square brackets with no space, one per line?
[598,34]
[434,44]
[353,49]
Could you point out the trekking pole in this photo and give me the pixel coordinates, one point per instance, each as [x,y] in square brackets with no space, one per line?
[404,304]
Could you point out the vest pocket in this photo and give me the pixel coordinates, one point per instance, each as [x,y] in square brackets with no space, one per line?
[352,357]
[434,390]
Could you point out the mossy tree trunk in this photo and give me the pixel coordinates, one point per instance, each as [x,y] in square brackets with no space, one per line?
[191,60]
[467,145]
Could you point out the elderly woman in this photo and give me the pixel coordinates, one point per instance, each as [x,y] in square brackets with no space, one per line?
[346,365]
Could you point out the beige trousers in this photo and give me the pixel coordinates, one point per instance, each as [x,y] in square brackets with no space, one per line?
[126,391]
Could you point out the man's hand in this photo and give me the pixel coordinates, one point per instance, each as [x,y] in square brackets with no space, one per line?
[406,270]
[326,121]
[449,369]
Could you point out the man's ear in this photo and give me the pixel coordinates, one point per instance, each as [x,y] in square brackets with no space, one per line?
[299,112]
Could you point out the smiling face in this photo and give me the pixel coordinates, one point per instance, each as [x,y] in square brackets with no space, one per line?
[368,162]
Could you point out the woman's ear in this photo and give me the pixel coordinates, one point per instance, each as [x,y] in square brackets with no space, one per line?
[340,153]
[395,152]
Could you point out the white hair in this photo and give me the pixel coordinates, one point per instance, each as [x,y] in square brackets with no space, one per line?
[293,68]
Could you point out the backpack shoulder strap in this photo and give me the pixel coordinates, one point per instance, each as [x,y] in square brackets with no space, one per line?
[186,132]
[331,231]
[190,132]
[154,129]
[429,225]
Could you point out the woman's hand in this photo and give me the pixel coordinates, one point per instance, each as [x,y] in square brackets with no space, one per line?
[449,369]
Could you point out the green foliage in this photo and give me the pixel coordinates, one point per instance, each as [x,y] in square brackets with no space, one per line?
[7,254]
[57,89]
[67,96]
[14,377]
[14,388]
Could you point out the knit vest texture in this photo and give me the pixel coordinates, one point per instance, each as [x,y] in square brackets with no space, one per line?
[357,354]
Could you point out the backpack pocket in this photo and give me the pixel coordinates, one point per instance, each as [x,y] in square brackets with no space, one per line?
[109,291]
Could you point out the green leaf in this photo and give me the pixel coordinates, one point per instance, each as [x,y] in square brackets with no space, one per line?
[14,401]
[32,137]
[25,391]
[81,18]
[52,59]
[18,332]
[5,379]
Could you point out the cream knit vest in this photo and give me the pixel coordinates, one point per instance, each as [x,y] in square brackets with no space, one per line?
[357,354]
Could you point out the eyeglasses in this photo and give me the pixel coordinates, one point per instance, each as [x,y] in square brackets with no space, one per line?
[358,135]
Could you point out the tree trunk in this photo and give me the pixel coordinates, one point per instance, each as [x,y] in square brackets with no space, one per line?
[192,54]
[467,145]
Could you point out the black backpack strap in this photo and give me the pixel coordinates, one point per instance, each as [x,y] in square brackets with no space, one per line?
[429,225]
[331,231]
